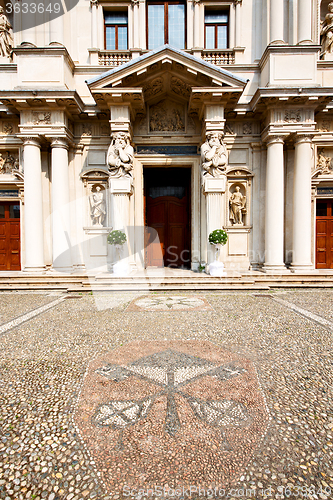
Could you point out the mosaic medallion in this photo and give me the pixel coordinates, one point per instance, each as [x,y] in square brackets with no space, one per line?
[170,303]
[170,413]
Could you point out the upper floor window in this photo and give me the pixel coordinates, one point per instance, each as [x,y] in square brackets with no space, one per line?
[216,29]
[166,24]
[116,30]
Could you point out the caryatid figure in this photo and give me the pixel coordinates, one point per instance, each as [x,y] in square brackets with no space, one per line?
[214,156]
[120,155]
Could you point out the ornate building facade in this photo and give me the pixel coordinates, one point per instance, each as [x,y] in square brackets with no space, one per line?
[167,119]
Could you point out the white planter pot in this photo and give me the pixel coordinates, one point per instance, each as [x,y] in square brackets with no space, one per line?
[121,268]
[217,269]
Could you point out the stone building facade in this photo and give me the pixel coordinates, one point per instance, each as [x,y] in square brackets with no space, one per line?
[169,119]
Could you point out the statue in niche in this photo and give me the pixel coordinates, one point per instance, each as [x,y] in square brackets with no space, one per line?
[6,37]
[237,206]
[214,156]
[97,207]
[326,32]
[120,155]
[323,163]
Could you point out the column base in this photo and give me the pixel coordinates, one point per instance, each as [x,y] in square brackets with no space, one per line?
[35,270]
[274,269]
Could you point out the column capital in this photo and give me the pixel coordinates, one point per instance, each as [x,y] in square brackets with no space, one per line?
[59,142]
[303,138]
[274,139]
[31,141]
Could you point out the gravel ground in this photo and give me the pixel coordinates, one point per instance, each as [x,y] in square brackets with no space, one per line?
[15,304]
[318,303]
[43,362]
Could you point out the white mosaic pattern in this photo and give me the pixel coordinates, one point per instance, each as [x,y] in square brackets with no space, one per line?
[184,374]
[175,303]
[219,413]
[120,414]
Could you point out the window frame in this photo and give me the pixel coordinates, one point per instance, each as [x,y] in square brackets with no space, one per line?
[166,20]
[116,26]
[216,25]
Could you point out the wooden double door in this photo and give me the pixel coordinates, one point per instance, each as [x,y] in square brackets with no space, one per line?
[167,217]
[10,236]
[324,234]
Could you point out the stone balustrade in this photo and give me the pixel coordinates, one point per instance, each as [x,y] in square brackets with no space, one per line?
[113,58]
[219,57]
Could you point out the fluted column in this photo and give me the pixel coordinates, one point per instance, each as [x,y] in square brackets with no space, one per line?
[302,204]
[304,19]
[276,21]
[274,206]
[33,206]
[61,240]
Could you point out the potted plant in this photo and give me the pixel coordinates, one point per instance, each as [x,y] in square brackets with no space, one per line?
[218,238]
[118,238]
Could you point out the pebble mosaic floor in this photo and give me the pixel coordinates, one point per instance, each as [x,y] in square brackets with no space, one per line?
[167,395]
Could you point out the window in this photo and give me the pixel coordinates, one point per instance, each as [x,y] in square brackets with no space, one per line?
[166,24]
[216,29]
[116,30]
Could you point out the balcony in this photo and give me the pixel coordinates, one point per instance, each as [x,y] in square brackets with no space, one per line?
[113,58]
[219,57]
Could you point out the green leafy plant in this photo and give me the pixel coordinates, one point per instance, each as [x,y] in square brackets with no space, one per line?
[116,237]
[218,237]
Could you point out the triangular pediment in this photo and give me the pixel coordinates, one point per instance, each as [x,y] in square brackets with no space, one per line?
[162,72]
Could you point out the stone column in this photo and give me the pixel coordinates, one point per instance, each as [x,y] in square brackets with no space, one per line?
[276,21]
[33,206]
[304,19]
[136,25]
[274,207]
[302,204]
[196,41]
[61,240]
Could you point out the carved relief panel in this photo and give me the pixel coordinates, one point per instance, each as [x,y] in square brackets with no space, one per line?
[324,162]
[9,161]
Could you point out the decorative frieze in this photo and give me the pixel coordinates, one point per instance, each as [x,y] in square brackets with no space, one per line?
[41,118]
[167,116]
[153,87]
[179,87]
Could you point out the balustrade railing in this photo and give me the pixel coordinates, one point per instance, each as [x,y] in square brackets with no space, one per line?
[113,58]
[219,57]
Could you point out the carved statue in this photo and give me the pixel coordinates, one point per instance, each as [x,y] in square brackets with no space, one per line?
[6,38]
[8,163]
[237,206]
[120,155]
[326,32]
[323,163]
[214,155]
[97,205]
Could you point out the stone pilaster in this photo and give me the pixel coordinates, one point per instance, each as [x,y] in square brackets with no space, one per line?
[214,190]
[33,206]
[61,237]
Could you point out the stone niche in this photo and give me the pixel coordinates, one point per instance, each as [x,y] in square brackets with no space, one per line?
[238,211]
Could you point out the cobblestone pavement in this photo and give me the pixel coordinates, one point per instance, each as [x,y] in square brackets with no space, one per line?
[213,395]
